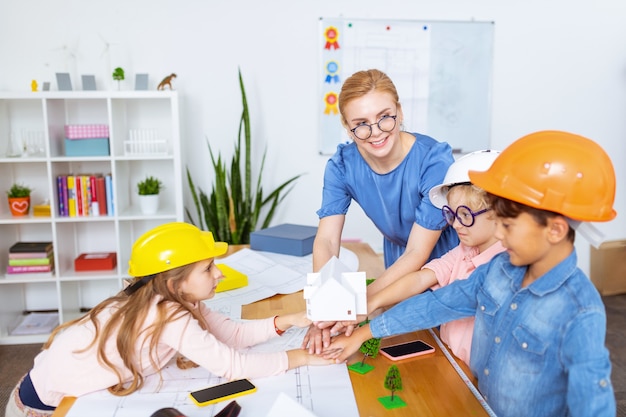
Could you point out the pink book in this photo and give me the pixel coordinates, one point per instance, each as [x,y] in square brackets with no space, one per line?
[29,268]
[29,255]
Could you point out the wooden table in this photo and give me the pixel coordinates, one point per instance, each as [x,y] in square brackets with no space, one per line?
[431,385]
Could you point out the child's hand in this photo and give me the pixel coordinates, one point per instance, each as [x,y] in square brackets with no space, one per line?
[295,319]
[300,357]
[343,346]
[316,338]
[298,319]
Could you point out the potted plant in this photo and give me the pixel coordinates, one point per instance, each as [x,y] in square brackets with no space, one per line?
[19,199]
[233,208]
[148,190]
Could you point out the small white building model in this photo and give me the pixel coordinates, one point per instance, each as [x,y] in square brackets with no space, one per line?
[335,293]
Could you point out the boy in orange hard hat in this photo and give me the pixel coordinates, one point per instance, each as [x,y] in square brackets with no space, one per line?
[538,346]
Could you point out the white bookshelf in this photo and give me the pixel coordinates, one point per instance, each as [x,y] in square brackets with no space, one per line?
[144,139]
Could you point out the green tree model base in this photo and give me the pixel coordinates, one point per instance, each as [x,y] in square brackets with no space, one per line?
[360,367]
[389,404]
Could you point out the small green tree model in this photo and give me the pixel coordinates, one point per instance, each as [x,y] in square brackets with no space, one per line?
[393,380]
[369,348]
[118,75]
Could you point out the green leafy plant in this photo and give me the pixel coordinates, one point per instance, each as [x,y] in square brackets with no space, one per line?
[19,190]
[149,186]
[232,209]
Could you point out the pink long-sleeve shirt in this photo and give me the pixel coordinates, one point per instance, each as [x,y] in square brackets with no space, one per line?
[59,371]
[459,263]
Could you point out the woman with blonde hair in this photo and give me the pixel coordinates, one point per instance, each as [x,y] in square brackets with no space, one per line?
[389,173]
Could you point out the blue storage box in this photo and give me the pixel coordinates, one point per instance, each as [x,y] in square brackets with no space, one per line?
[87,147]
[289,239]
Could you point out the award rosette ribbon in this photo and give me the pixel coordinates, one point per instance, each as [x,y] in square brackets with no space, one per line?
[331,34]
[332,70]
[330,100]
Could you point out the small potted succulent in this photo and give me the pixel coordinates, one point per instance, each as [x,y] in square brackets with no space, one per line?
[148,190]
[19,199]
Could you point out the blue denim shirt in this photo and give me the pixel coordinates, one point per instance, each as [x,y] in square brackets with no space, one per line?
[536,351]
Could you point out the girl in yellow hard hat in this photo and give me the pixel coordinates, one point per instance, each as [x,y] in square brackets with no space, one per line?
[159,315]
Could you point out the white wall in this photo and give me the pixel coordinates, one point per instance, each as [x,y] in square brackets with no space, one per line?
[558,65]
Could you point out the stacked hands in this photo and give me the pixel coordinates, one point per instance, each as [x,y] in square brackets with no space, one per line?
[336,340]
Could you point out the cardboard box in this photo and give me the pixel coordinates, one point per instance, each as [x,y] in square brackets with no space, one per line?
[289,239]
[99,261]
[608,267]
[86,131]
[87,147]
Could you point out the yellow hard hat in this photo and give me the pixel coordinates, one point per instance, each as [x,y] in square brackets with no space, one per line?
[555,171]
[170,246]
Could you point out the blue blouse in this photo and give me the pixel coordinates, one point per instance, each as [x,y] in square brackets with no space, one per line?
[536,351]
[395,200]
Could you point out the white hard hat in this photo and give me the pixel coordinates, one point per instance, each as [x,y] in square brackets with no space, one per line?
[458,173]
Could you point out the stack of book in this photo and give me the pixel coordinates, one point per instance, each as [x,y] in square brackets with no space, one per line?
[85,195]
[31,257]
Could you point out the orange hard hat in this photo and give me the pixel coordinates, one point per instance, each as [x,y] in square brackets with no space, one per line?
[555,171]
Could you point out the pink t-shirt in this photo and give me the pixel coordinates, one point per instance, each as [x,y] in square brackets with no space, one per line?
[459,263]
[59,371]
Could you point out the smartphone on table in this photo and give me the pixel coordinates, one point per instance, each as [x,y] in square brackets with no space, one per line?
[407,350]
[222,392]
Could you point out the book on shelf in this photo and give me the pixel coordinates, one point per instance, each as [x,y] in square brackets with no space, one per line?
[108,180]
[102,195]
[93,191]
[23,247]
[86,195]
[78,186]
[36,323]
[31,261]
[71,195]
[60,193]
[30,255]
[28,269]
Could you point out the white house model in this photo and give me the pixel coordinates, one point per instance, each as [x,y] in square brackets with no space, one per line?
[335,293]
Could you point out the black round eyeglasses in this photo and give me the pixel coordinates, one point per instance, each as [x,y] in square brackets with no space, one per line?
[463,214]
[364,131]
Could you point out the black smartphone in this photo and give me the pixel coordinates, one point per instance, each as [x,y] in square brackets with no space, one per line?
[407,350]
[222,392]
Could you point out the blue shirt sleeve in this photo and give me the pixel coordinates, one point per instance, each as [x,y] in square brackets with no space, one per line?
[336,197]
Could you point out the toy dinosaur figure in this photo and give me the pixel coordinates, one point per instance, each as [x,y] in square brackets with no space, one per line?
[166,81]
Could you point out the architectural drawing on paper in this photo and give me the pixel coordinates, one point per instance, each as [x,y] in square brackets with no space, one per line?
[335,293]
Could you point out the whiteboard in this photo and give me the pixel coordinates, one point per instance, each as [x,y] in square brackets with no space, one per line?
[441,69]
